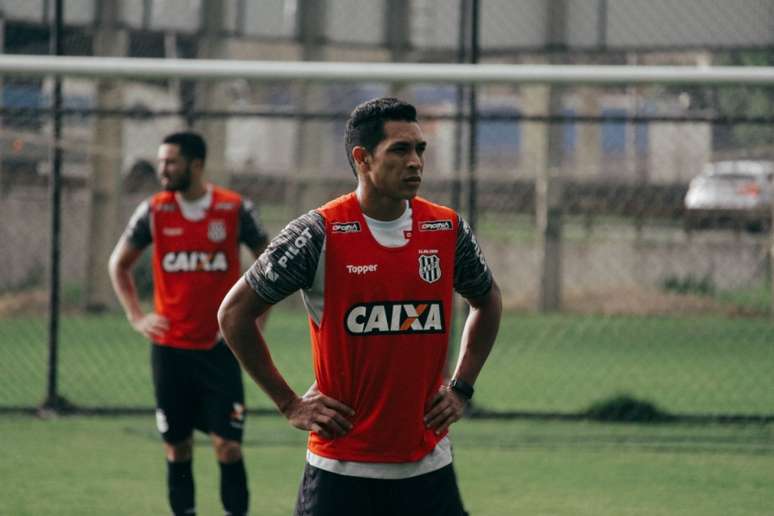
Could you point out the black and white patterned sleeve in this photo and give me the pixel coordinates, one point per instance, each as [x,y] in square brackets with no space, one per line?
[290,261]
[138,231]
[251,230]
[472,277]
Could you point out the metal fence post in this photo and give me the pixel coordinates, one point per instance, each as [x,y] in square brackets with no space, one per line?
[53,402]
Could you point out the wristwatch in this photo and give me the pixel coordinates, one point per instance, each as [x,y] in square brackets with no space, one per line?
[462,387]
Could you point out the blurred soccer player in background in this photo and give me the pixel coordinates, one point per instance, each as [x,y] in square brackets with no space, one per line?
[377,269]
[195,229]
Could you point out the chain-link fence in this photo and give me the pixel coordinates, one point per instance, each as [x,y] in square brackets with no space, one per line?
[613,288]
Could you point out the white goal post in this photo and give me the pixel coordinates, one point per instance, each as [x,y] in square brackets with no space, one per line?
[213,69]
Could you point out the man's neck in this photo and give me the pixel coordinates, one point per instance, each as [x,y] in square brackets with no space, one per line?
[380,208]
[194,192]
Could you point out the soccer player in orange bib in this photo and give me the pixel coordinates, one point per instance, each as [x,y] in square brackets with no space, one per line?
[377,269]
[195,229]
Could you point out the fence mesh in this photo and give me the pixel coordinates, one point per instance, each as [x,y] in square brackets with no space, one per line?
[656,303]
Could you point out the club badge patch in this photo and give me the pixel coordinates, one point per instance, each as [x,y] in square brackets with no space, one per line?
[216,231]
[429,267]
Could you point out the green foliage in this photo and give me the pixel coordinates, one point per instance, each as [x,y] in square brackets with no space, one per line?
[72,294]
[626,408]
[749,300]
[689,284]
[729,101]
[751,101]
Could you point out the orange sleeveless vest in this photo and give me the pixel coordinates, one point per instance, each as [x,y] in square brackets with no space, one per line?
[195,263]
[382,342]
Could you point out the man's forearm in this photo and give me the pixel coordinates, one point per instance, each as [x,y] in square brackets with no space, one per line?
[252,352]
[123,284]
[478,337]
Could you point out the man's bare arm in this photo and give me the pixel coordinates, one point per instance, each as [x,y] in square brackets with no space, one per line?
[314,410]
[479,334]
[264,317]
[122,261]
[478,337]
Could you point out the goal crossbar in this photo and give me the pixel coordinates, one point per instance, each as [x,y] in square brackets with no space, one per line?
[214,69]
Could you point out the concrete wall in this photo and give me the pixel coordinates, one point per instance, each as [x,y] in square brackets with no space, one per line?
[609,260]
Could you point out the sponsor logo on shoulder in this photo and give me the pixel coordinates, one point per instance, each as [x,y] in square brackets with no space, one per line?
[269,272]
[388,317]
[436,225]
[362,269]
[225,206]
[172,231]
[294,248]
[345,227]
[166,206]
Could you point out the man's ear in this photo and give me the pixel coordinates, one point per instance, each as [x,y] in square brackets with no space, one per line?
[360,155]
[197,164]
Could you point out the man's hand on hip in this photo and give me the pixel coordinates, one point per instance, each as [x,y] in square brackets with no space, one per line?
[319,413]
[445,408]
[152,325]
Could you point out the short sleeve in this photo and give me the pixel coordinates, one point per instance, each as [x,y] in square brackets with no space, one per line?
[290,261]
[138,231]
[251,231]
[472,277]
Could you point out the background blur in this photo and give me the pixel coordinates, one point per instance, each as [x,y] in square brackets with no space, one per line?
[576,193]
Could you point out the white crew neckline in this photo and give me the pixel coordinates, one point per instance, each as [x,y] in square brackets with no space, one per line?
[391,233]
[195,210]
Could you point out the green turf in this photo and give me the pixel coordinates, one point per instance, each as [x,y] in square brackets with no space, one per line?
[688,365]
[556,363]
[92,466]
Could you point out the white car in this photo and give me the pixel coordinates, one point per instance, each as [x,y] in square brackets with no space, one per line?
[734,194]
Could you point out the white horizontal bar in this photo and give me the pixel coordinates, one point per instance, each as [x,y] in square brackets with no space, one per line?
[131,68]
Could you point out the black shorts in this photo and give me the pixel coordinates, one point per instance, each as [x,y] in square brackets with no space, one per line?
[199,389]
[323,493]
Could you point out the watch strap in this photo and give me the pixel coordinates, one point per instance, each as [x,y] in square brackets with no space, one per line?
[462,387]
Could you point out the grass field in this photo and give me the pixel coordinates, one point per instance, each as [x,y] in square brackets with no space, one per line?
[560,363]
[81,466]
[557,363]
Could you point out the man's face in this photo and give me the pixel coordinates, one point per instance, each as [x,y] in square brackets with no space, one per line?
[174,171]
[394,169]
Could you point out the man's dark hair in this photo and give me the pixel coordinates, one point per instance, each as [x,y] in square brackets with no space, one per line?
[192,145]
[365,126]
